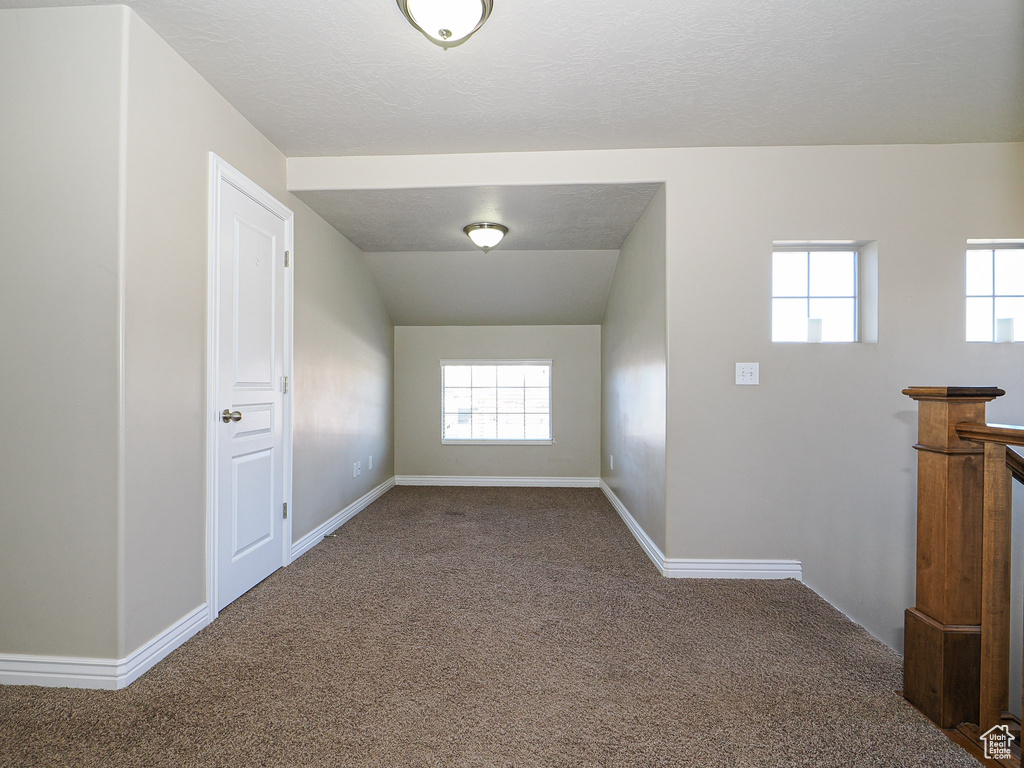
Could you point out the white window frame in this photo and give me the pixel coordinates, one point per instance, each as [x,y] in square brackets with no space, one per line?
[865,283]
[991,245]
[499,362]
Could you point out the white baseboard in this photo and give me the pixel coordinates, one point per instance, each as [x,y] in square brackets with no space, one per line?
[516,482]
[112,674]
[646,542]
[314,537]
[682,568]
[106,674]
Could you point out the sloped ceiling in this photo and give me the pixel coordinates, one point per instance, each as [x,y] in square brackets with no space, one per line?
[498,288]
[560,218]
[554,267]
[351,77]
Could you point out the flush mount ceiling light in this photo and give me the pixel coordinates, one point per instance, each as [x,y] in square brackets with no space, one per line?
[446,23]
[485,235]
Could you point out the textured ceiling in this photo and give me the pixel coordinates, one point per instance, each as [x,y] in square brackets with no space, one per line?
[560,218]
[502,287]
[554,267]
[350,77]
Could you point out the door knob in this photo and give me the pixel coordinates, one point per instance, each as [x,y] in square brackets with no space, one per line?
[229,415]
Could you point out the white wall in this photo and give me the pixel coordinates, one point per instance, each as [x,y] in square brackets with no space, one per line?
[344,365]
[815,464]
[60,98]
[633,371]
[106,140]
[575,352]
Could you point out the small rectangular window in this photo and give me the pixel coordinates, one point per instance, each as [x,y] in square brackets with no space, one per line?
[995,291]
[814,292]
[496,401]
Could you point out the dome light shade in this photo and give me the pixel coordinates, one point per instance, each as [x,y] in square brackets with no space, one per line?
[446,23]
[485,235]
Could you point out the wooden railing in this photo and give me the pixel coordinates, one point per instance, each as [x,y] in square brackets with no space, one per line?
[957,655]
[1016,464]
[994,691]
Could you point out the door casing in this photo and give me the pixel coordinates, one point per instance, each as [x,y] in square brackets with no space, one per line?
[221,171]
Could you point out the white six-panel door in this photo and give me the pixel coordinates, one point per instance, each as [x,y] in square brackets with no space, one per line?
[250,485]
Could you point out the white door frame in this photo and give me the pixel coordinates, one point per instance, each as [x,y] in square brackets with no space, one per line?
[221,171]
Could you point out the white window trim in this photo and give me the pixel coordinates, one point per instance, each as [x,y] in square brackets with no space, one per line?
[990,245]
[455,441]
[865,281]
[502,361]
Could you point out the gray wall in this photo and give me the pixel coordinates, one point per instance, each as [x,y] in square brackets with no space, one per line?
[575,351]
[107,134]
[633,369]
[59,123]
[175,118]
[344,364]
[816,463]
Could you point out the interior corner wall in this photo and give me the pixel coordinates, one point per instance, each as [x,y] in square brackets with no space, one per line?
[575,352]
[633,374]
[342,340]
[174,120]
[816,463]
[344,369]
[60,101]
[106,140]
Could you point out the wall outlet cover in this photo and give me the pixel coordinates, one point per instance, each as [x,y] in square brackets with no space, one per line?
[747,374]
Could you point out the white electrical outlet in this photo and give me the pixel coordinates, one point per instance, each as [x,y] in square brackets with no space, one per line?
[747,374]
[371,461]
[611,461]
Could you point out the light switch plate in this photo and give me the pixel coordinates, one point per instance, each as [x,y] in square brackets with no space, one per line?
[747,374]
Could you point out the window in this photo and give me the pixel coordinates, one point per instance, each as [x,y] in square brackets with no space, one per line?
[995,291]
[496,401]
[814,292]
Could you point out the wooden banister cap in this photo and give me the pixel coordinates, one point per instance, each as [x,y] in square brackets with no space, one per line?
[954,393]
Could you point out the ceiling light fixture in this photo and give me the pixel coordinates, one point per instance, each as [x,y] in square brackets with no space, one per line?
[446,23]
[485,235]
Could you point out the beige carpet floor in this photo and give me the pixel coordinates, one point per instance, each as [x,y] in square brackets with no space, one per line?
[495,627]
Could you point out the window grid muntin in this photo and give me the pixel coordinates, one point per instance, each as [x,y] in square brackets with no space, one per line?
[496,414]
[991,248]
[808,249]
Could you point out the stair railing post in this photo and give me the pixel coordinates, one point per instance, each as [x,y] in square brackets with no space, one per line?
[995,590]
[942,656]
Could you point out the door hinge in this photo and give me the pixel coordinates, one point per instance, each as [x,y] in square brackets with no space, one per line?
[287,257]
[286,510]
[284,385]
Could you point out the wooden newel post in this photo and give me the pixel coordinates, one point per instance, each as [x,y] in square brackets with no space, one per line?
[942,654]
